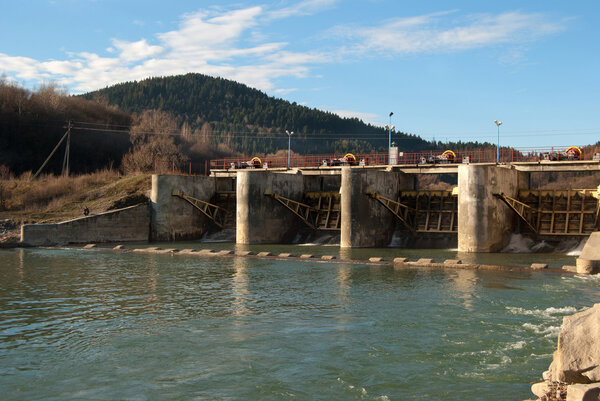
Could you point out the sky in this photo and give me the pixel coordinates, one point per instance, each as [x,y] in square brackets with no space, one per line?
[446,69]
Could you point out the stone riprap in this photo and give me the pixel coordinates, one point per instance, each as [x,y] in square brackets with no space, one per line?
[576,362]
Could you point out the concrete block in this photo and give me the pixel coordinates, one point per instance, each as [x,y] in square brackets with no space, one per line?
[285,255]
[452,262]
[188,251]
[168,250]
[89,246]
[264,254]
[306,256]
[327,257]
[539,265]
[244,253]
[400,260]
[424,261]
[569,268]
[119,247]
[225,252]
[140,250]
[376,259]
[206,251]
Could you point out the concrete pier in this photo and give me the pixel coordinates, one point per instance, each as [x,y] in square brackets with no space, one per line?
[174,218]
[364,222]
[484,223]
[259,218]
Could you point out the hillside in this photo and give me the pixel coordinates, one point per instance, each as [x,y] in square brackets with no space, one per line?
[246,119]
[32,123]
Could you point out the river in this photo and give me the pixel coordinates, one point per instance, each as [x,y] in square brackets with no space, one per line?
[102,325]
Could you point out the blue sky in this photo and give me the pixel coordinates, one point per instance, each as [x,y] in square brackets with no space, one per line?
[446,69]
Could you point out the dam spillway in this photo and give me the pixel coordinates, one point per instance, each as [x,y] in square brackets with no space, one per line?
[367,205]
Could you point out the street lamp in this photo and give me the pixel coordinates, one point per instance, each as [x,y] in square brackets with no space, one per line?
[498,123]
[289,134]
[390,128]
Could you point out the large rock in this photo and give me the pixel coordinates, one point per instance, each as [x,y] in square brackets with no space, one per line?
[583,392]
[577,358]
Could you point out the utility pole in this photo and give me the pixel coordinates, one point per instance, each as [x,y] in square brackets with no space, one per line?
[65,169]
[65,161]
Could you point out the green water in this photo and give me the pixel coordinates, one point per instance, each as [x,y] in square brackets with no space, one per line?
[102,325]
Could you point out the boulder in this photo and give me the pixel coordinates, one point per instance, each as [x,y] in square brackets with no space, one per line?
[583,392]
[540,389]
[577,358]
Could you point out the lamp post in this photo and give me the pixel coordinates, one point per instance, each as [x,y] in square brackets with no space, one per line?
[390,128]
[289,134]
[498,124]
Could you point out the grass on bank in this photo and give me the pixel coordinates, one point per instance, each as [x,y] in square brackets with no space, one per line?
[52,198]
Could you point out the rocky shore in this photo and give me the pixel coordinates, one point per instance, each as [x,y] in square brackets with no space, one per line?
[574,374]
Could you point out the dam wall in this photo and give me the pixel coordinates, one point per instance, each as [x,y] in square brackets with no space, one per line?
[127,224]
[366,206]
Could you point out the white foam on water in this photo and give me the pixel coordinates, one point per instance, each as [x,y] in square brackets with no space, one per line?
[513,346]
[226,235]
[548,312]
[547,331]
[518,244]
[576,249]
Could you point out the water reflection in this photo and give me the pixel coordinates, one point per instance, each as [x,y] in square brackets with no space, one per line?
[239,286]
[464,283]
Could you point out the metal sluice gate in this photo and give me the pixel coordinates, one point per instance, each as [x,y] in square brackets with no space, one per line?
[418,211]
[218,210]
[318,210]
[424,211]
[572,212]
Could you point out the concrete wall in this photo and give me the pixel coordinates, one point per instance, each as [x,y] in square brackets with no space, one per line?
[128,224]
[259,218]
[588,261]
[485,223]
[173,218]
[365,222]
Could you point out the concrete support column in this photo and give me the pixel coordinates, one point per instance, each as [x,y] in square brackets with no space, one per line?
[365,222]
[261,219]
[173,218]
[485,223]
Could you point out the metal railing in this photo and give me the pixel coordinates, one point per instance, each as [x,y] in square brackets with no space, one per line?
[507,155]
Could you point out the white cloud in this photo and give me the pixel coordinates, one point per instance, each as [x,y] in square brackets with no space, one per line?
[306,7]
[231,44]
[427,34]
[133,51]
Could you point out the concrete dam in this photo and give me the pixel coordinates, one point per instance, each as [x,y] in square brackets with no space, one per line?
[366,205]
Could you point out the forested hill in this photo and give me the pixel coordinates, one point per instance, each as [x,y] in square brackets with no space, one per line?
[246,119]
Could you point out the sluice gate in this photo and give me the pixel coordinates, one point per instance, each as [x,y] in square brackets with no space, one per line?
[220,210]
[318,210]
[573,212]
[424,211]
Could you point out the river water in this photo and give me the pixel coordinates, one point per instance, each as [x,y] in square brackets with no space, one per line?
[103,325]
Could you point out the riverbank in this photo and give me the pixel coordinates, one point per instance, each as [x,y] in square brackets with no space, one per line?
[50,199]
